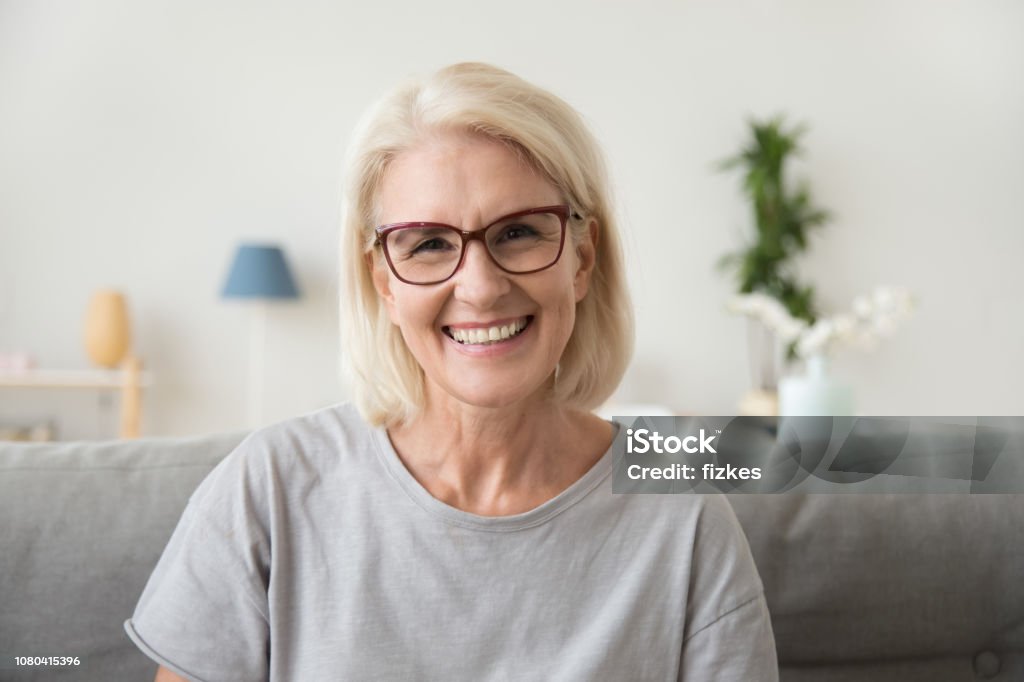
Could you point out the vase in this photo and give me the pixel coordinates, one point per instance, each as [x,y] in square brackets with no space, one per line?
[107,329]
[816,393]
[764,361]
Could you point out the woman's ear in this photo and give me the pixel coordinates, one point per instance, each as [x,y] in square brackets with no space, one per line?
[586,258]
[382,282]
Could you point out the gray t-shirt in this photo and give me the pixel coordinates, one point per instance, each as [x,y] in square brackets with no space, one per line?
[311,553]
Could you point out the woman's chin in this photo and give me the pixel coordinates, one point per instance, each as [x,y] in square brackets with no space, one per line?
[494,393]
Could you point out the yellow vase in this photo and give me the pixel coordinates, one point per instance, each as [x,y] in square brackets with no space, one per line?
[107,329]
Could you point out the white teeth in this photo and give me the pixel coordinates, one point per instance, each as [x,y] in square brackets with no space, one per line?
[488,335]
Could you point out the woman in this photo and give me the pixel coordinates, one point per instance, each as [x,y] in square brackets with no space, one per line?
[460,524]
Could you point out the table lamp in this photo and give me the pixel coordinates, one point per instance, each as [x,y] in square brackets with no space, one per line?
[259,273]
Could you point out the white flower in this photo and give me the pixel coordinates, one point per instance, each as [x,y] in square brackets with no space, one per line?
[873,316]
[791,330]
[885,299]
[893,300]
[769,312]
[816,339]
[845,327]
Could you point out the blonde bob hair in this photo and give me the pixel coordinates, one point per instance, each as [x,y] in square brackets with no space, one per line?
[547,133]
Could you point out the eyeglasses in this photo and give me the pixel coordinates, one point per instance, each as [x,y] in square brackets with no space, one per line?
[520,243]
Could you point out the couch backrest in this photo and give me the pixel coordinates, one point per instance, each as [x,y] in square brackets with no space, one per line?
[860,587]
[81,527]
[892,587]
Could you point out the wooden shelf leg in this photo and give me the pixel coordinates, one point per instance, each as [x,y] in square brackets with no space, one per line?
[131,398]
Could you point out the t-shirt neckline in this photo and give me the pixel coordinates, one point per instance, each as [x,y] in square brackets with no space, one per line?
[528,519]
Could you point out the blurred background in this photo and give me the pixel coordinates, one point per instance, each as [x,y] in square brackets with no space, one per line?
[142,142]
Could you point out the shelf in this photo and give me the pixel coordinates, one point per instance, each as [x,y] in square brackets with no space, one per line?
[68,378]
[129,380]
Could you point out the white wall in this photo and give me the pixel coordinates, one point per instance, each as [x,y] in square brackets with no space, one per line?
[140,141]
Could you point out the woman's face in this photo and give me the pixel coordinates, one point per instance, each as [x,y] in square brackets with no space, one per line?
[469,181]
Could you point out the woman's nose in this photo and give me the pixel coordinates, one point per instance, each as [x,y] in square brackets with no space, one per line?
[479,281]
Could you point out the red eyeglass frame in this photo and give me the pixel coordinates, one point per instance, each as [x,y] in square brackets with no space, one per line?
[562,211]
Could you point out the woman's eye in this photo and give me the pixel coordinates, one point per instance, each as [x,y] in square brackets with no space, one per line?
[434,244]
[514,232]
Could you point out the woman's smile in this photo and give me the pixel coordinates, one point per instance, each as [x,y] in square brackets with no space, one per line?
[477,334]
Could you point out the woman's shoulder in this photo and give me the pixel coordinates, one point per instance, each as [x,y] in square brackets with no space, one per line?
[292,453]
[331,431]
[693,527]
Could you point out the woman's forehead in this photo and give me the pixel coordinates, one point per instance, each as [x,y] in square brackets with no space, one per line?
[460,177]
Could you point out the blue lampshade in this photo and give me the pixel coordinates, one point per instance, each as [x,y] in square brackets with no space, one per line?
[259,271]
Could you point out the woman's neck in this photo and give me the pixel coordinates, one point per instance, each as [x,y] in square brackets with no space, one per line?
[500,461]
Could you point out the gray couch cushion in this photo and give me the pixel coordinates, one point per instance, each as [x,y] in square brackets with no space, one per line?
[891,587]
[81,528]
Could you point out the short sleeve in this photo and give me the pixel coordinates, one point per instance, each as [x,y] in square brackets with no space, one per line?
[729,631]
[203,613]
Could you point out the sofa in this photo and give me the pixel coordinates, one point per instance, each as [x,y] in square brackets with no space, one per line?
[860,587]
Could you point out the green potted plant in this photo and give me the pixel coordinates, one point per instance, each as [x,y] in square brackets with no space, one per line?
[784,217]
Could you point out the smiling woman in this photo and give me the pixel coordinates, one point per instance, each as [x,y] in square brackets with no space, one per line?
[458,522]
[406,165]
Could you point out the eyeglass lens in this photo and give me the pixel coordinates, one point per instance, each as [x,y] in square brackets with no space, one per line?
[520,244]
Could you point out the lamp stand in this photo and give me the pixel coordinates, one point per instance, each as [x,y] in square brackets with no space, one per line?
[257,347]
